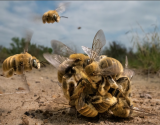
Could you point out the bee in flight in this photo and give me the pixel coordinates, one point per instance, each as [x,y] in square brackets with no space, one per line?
[19,63]
[52,16]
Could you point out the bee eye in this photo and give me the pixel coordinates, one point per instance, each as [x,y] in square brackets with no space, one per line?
[34,63]
[55,17]
[88,61]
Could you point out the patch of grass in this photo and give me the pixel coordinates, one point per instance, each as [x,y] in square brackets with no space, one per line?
[148,51]
[118,51]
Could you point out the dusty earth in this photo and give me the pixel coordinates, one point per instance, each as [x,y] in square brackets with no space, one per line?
[44,104]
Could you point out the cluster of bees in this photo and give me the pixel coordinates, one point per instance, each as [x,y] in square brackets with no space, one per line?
[94,83]
[91,82]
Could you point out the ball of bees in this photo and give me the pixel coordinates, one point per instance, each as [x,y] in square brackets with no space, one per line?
[94,84]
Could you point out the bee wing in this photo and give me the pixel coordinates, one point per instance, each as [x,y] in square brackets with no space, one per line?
[54,59]
[140,112]
[61,49]
[62,7]
[114,69]
[98,42]
[29,35]
[81,102]
[127,72]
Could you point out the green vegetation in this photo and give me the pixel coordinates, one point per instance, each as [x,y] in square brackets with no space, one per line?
[18,46]
[147,55]
[148,51]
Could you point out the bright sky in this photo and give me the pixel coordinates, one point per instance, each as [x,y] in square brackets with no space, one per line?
[115,18]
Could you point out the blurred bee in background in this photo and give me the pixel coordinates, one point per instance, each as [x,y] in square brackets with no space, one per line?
[20,63]
[52,16]
[66,66]
[79,28]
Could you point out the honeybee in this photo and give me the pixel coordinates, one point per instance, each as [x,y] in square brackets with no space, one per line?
[19,63]
[66,66]
[52,16]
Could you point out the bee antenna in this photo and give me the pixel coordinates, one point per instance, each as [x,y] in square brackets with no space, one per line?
[126,62]
[63,17]
[42,63]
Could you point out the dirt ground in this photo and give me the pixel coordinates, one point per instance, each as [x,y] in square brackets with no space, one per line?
[45,104]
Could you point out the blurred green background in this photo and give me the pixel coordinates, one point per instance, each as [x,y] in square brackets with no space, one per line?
[146,55]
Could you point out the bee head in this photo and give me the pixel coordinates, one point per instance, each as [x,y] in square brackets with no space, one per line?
[56,17]
[35,63]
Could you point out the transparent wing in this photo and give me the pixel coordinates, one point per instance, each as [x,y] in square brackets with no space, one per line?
[128,72]
[62,7]
[140,112]
[98,42]
[54,59]
[81,102]
[114,69]
[28,38]
[61,49]
[59,62]
[89,52]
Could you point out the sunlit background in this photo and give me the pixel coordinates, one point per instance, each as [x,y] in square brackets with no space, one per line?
[120,21]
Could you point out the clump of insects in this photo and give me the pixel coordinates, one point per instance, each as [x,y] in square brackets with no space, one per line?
[94,83]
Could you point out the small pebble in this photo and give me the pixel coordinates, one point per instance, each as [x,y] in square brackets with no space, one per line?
[21,88]
[32,114]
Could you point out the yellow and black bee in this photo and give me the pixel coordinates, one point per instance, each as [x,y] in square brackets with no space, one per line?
[19,63]
[52,16]
[66,66]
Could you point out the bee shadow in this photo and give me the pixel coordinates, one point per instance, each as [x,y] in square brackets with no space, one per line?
[69,115]
[111,118]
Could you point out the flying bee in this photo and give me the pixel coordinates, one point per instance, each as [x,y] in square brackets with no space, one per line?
[52,16]
[19,63]
[65,66]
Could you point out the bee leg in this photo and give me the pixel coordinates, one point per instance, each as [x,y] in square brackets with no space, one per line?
[9,73]
[120,110]
[103,88]
[65,88]
[112,83]
[68,85]
[97,99]
[118,92]
[125,82]
[24,77]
